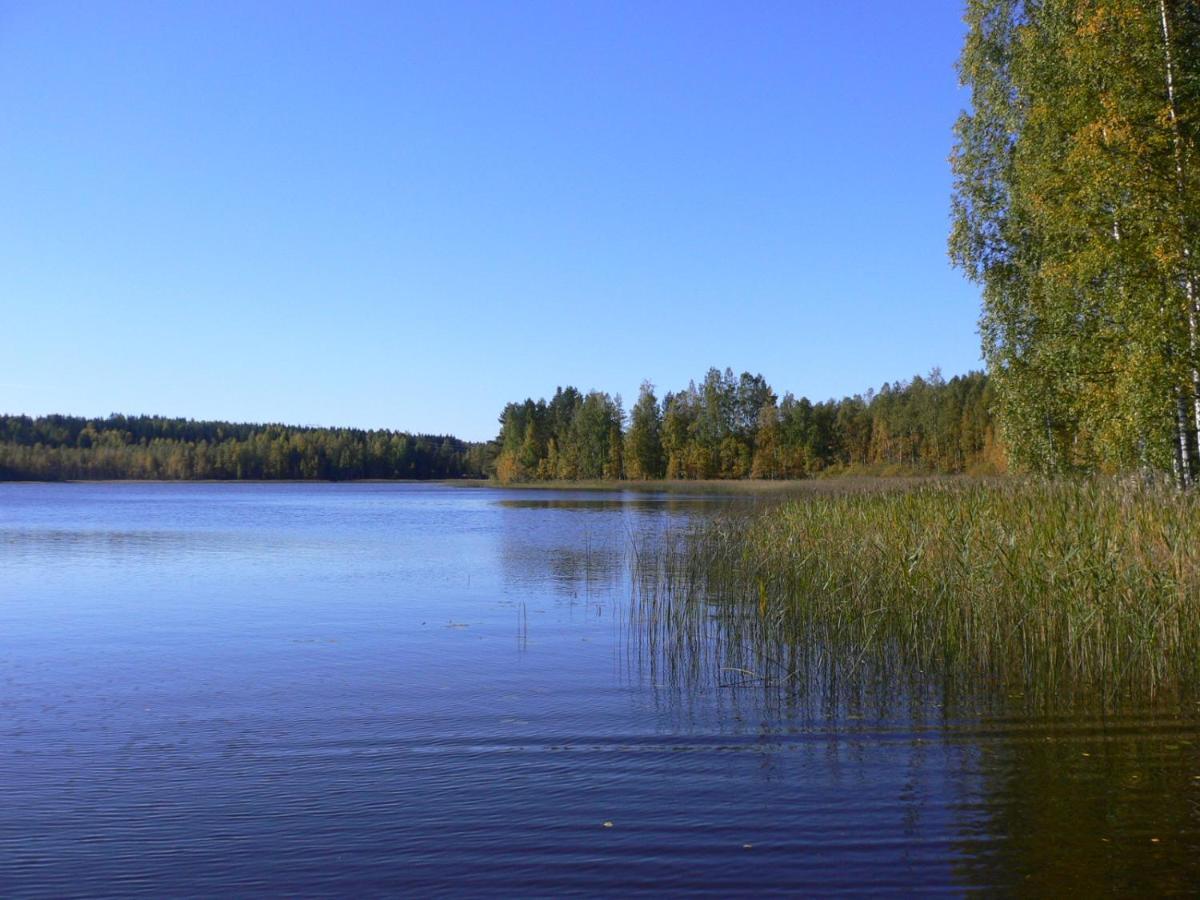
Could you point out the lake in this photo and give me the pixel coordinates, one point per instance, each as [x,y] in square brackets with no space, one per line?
[370,689]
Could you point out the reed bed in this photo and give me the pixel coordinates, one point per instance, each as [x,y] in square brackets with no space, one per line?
[1045,586]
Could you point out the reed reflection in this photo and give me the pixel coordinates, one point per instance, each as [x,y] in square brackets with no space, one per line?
[1062,784]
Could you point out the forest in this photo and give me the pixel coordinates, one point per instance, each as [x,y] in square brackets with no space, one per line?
[725,427]
[737,427]
[51,448]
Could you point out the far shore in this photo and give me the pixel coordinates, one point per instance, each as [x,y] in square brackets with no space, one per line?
[847,483]
[830,484]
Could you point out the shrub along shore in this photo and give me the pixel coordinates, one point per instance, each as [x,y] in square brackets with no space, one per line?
[1091,584]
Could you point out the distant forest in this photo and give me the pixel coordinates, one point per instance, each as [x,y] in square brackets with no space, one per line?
[52,448]
[725,427]
[729,427]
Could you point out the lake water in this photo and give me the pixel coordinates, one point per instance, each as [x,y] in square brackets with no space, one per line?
[380,689]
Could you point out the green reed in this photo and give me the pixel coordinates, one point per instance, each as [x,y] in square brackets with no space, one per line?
[1038,585]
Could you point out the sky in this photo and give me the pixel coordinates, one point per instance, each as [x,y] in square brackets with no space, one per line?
[405,215]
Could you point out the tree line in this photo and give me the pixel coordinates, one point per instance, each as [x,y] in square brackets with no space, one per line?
[727,427]
[151,447]
[724,427]
[1077,208]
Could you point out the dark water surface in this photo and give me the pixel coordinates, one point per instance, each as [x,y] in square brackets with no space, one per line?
[381,689]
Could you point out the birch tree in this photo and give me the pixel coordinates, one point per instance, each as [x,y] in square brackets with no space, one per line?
[1074,209]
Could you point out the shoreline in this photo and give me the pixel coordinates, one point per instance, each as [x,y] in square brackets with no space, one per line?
[819,485]
[834,483]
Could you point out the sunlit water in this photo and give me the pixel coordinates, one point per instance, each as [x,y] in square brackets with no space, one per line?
[381,689]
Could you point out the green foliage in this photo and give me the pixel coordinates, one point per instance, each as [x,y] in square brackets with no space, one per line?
[151,447]
[731,427]
[643,442]
[1075,207]
[571,437]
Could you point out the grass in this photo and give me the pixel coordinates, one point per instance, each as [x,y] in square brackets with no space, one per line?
[1044,586]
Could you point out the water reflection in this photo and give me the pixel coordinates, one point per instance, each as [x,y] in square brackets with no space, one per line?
[1087,803]
[671,504]
[17,544]
[229,689]
[572,561]
[1058,788]
[581,546]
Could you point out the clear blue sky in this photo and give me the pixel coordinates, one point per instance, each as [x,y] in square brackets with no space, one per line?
[405,215]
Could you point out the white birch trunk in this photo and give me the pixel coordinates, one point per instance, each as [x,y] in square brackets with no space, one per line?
[1183,473]
[1189,279]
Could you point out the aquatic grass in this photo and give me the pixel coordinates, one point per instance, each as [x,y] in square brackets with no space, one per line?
[1040,586]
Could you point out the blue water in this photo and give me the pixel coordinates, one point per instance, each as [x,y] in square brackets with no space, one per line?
[417,689]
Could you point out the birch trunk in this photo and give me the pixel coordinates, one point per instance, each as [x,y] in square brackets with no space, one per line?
[1189,278]
[1183,473]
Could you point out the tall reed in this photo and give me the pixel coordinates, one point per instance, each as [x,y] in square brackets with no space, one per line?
[1042,585]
